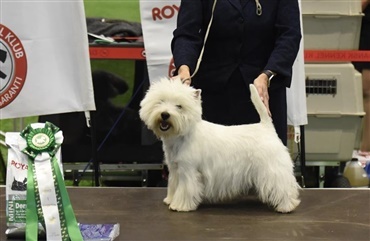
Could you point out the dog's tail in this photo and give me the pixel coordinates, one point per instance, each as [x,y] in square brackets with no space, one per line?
[258,104]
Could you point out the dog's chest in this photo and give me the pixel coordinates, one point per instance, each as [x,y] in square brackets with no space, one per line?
[173,148]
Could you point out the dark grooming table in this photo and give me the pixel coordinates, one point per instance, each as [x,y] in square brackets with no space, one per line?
[324,214]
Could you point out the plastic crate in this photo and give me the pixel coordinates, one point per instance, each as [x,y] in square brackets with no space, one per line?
[331,138]
[331,24]
[335,111]
[334,89]
[336,7]
[331,31]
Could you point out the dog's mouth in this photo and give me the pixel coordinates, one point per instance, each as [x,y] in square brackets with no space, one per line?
[164,126]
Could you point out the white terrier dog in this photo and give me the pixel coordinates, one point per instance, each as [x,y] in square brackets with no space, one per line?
[215,163]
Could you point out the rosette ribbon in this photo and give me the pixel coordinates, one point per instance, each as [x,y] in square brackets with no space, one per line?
[47,198]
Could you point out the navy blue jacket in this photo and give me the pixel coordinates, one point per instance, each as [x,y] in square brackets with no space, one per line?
[238,38]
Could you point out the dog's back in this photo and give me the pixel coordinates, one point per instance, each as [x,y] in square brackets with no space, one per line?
[258,104]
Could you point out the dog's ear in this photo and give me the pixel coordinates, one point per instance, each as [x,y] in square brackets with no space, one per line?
[197,93]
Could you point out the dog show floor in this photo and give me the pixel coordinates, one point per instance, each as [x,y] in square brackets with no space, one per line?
[324,214]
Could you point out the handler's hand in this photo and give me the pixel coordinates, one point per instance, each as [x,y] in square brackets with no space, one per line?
[261,84]
[184,75]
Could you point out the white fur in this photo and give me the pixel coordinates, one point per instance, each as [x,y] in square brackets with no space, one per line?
[214,163]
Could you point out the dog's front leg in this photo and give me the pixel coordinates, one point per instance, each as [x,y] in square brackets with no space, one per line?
[173,180]
[189,191]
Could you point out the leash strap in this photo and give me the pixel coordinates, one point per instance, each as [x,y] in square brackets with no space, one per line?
[205,40]
[258,12]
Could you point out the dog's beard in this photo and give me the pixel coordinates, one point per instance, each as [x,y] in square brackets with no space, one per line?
[165,128]
[164,125]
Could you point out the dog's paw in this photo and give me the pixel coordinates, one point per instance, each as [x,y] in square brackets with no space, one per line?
[182,208]
[178,209]
[167,200]
[287,207]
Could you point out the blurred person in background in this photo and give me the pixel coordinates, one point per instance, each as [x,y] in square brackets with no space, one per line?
[364,69]
[249,42]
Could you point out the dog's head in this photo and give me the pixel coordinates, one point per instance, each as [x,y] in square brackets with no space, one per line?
[171,108]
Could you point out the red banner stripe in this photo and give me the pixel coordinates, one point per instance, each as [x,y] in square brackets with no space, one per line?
[117,52]
[138,53]
[336,56]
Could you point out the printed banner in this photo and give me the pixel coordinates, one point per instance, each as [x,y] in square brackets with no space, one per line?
[158,19]
[44,60]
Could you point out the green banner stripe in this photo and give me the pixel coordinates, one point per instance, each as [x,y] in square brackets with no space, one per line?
[31,213]
[72,226]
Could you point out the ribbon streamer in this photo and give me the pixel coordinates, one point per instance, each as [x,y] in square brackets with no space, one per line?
[47,198]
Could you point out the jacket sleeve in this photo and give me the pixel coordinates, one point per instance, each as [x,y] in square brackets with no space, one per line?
[288,37]
[188,35]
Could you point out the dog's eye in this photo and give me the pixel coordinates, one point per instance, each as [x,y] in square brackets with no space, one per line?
[179,106]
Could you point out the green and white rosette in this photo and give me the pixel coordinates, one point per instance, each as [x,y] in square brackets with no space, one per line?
[47,198]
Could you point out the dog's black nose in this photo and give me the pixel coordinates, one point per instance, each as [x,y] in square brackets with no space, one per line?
[165,115]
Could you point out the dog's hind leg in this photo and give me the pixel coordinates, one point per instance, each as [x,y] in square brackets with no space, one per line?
[279,188]
[287,193]
[189,190]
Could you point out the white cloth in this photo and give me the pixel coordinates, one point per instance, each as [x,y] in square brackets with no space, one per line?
[296,94]
[44,44]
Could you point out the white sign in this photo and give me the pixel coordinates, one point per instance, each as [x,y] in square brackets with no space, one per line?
[44,58]
[158,20]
